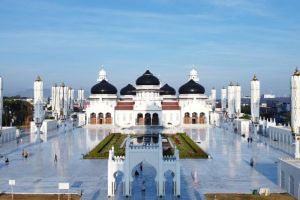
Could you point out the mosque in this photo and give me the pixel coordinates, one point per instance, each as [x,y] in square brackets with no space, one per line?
[148,103]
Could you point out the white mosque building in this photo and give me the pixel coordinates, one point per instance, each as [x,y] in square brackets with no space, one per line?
[148,103]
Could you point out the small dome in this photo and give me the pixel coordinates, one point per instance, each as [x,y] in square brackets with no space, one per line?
[191,87]
[104,87]
[147,79]
[167,90]
[128,90]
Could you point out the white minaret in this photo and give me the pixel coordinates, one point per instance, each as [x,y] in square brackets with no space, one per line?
[53,97]
[194,75]
[81,97]
[65,102]
[1,102]
[223,98]
[295,110]
[255,99]
[213,97]
[38,105]
[102,75]
[71,96]
[238,96]
[231,100]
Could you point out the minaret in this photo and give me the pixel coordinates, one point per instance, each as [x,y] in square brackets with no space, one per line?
[38,90]
[1,102]
[237,103]
[61,100]
[53,97]
[213,97]
[231,100]
[255,99]
[65,104]
[295,110]
[38,105]
[223,98]
[194,75]
[81,97]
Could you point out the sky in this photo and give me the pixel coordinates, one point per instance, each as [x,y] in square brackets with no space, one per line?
[224,40]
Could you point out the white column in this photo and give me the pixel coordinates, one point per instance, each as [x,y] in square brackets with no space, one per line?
[53,97]
[223,98]
[255,99]
[213,97]
[231,100]
[295,102]
[238,96]
[38,105]
[1,102]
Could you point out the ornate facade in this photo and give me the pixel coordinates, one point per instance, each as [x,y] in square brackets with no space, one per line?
[148,103]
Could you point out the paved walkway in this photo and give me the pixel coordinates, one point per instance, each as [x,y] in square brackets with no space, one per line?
[227,171]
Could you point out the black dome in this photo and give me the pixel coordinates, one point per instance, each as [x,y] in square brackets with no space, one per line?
[128,90]
[147,79]
[104,87]
[191,87]
[167,90]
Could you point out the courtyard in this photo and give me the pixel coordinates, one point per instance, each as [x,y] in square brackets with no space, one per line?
[228,170]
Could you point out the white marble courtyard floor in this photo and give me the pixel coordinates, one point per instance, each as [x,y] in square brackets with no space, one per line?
[227,171]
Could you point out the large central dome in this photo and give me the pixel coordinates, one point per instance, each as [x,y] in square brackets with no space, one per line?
[104,87]
[147,79]
[191,87]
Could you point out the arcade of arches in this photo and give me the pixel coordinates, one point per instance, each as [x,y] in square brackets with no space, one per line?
[147,119]
[194,118]
[100,118]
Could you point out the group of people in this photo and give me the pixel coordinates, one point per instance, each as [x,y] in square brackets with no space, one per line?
[250,139]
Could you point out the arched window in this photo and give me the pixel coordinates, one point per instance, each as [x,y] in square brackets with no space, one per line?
[147,119]
[108,119]
[202,118]
[194,118]
[93,118]
[155,119]
[100,118]
[140,119]
[186,119]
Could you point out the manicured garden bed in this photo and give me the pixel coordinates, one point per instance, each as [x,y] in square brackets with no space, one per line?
[38,197]
[248,197]
[101,151]
[187,147]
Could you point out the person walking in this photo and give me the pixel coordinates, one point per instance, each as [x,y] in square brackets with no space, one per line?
[55,158]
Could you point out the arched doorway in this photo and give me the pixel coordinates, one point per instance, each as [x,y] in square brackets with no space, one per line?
[108,119]
[186,119]
[148,119]
[194,118]
[140,119]
[100,118]
[93,118]
[155,119]
[202,118]
[144,183]
[169,183]
[118,183]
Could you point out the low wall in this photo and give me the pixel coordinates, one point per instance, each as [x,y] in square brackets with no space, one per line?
[8,134]
[48,125]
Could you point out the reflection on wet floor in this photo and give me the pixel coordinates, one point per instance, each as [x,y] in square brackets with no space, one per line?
[228,170]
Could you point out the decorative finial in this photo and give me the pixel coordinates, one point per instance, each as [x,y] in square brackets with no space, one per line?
[237,84]
[231,83]
[63,85]
[296,73]
[255,78]
[38,78]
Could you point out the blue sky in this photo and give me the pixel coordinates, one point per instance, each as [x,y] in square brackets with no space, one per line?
[227,40]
